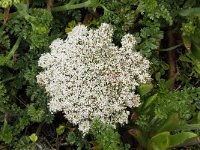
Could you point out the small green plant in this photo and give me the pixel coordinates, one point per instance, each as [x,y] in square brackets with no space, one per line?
[167,119]
[104,137]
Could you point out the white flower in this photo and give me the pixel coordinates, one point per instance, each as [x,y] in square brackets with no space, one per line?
[84,126]
[128,42]
[87,76]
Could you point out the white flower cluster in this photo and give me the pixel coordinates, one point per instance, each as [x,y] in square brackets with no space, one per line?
[87,76]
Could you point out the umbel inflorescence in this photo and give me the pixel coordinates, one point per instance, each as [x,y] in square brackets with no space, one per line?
[87,76]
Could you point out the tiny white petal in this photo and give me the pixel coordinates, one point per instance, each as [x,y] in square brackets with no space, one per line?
[87,76]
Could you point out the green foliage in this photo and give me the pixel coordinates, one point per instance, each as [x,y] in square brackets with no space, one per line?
[71,138]
[78,140]
[180,138]
[144,89]
[3,97]
[38,3]
[106,137]
[70,26]
[166,116]
[121,14]
[6,133]
[23,143]
[6,60]
[60,130]
[148,7]
[8,3]
[71,5]
[165,140]
[4,40]
[33,137]
[19,27]
[33,25]
[41,26]
[35,115]
[190,35]
[18,109]
[178,101]
[165,103]
[190,12]
[151,37]
[191,64]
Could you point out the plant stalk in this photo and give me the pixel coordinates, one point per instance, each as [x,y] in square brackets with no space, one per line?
[6,15]
[11,15]
[50,5]
[70,6]
[172,61]
[13,50]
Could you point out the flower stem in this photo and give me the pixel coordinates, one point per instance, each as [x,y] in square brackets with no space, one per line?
[15,47]
[50,5]
[71,6]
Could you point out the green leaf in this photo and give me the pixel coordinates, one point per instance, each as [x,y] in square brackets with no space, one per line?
[150,101]
[180,138]
[6,60]
[35,115]
[70,26]
[33,137]
[184,58]
[190,12]
[145,88]
[172,123]
[186,42]
[6,134]
[71,138]
[198,117]
[164,140]
[60,130]
[160,141]
[158,76]
[195,50]
[189,127]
